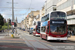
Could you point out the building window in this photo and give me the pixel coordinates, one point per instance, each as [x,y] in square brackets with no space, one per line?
[64,5]
[34,23]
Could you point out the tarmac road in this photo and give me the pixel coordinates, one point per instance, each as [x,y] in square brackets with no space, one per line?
[37,42]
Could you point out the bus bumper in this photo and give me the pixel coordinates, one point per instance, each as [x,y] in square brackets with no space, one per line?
[55,38]
[37,34]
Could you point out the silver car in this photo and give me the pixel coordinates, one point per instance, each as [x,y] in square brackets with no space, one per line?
[30,31]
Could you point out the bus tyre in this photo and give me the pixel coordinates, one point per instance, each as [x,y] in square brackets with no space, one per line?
[46,38]
[42,38]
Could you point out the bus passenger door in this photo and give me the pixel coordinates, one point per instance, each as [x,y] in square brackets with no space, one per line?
[47,30]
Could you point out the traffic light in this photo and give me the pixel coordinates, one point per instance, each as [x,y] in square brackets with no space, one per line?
[9,22]
[15,25]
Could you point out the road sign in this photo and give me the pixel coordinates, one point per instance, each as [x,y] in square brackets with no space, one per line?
[12,23]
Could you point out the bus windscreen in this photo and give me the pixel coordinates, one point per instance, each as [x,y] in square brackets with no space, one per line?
[38,29]
[58,29]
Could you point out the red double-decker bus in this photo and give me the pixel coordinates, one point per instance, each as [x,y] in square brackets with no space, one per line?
[54,26]
[36,30]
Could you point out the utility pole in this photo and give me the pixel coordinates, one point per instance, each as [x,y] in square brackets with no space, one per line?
[12,17]
[12,11]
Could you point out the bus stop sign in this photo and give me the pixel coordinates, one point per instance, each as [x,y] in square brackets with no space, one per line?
[12,23]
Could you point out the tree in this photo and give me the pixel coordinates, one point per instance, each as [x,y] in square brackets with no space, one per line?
[0,27]
[1,20]
[5,26]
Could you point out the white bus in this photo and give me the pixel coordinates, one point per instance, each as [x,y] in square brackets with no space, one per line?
[54,26]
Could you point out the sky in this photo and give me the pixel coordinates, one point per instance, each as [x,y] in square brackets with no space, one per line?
[21,8]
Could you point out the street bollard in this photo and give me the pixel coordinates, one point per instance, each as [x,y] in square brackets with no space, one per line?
[12,35]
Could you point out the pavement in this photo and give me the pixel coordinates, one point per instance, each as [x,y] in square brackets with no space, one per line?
[9,43]
[72,38]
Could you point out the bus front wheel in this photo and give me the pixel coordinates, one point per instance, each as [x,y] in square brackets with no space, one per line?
[46,37]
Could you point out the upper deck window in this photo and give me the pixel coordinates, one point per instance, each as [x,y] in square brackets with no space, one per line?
[45,18]
[38,23]
[58,15]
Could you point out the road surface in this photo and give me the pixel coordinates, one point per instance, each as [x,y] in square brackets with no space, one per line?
[37,42]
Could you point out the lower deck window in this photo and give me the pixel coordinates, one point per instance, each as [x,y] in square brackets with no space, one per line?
[43,29]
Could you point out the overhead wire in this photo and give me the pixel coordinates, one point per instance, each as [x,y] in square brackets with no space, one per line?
[29,8]
[22,8]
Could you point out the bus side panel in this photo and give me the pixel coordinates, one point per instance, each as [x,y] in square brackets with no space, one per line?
[43,36]
[34,33]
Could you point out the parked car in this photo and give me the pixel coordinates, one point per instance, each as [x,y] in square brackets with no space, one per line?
[30,31]
[23,29]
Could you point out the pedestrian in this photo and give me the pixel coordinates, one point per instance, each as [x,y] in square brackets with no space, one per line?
[14,30]
[69,32]
[72,32]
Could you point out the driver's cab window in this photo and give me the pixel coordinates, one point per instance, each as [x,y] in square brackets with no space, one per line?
[48,29]
[33,29]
